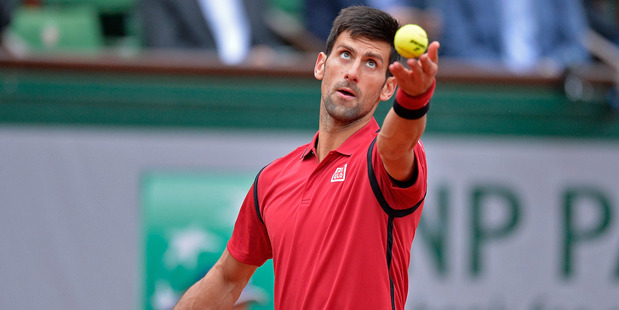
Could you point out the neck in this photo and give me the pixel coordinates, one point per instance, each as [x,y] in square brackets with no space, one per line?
[331,136]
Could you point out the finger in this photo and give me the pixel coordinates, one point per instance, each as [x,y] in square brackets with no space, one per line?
[429,60]
[433,51]
[428,66]
[411,62]
[415,66]
[398,71]
[395,66]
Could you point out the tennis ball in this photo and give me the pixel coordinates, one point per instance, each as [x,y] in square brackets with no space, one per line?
[410,41]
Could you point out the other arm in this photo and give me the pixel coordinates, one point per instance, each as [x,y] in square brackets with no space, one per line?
[220,287]
[398,136]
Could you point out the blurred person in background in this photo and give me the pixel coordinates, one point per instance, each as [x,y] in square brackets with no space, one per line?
[424,13]
[6,9]
[234,28]
[543,36]
[319,15]
[603,17]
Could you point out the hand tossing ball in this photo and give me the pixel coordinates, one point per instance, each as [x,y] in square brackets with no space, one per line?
[410,41]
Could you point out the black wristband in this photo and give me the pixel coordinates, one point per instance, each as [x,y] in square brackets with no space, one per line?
[410,114]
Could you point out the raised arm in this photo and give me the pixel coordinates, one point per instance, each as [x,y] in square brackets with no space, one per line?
[399,135]
[220,287]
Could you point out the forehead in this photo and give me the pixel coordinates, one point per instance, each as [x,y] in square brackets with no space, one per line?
[363,45]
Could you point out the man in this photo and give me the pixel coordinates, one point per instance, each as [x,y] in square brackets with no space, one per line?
[338,215]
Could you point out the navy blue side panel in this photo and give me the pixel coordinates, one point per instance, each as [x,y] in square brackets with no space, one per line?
[391,212]
[256,202]
[389,255]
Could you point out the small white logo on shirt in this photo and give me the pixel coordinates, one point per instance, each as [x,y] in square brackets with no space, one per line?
[340,174]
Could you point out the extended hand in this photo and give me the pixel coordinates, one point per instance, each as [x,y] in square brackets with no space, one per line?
[416,80]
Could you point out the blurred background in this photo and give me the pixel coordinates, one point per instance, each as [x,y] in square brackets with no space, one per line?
[131,130]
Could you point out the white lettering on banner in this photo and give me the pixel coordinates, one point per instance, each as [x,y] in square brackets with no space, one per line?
[518,225]
[508,224]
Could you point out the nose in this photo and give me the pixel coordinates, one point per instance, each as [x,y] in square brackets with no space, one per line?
[352,74]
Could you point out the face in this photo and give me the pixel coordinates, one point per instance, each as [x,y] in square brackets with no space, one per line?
[353,79]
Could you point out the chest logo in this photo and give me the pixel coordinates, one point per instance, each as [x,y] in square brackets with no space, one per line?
[339,175]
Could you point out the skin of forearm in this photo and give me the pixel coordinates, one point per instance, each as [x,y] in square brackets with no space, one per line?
[399,136]
[395,144]
[211,292]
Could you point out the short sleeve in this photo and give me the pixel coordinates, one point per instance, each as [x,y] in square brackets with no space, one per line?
[250,242]
[402,195]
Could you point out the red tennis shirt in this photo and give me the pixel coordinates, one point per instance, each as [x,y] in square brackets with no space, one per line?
[339,231]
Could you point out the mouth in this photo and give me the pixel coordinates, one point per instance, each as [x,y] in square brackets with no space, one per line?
[346,92]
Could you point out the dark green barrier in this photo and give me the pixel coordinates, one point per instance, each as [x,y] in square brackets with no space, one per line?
[280,101]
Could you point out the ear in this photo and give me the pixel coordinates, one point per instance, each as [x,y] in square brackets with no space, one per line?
[319,68]
[388,89]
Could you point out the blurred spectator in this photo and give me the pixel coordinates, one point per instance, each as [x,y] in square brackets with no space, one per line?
[603,17]
[5,20]
[5,17]
[524,35]
[233,27]
[421,12]
[319,15]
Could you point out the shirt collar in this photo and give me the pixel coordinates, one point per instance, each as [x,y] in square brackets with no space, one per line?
[352,143]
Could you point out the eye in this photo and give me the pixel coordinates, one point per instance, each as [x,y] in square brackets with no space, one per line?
[345,55]
[372,64]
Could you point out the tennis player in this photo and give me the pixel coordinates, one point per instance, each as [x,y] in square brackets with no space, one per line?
[338,215]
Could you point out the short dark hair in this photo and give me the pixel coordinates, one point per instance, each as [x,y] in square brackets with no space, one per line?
[367,22]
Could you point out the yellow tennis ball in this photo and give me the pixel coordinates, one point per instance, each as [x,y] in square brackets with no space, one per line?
[410,41]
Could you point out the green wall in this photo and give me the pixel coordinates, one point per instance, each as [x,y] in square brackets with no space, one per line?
[36,96]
